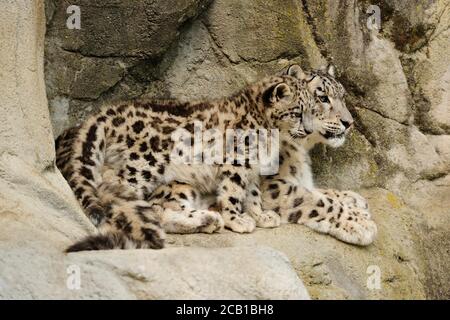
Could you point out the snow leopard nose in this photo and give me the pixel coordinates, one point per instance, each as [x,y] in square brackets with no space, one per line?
[308,131]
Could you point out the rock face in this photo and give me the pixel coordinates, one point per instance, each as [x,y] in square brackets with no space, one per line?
[334,270]
[398,155]
[40,216]
[116,48]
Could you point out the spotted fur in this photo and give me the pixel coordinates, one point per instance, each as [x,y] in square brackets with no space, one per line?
[118,158]
[290,195]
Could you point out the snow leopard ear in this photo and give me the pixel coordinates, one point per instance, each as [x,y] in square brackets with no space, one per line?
[297,72]
[329,69]
[278,93]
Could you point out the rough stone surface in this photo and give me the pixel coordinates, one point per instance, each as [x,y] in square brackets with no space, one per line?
[117,48]
[398,83]
[22,86]
[335,270]
[247,272]
[40,216]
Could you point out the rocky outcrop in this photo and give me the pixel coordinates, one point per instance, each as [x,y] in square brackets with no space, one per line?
[117,47]
[40,216]
[335,270]
[398,156]
[397,78]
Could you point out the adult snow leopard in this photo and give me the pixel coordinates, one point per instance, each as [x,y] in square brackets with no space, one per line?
[117,158]
[290,194]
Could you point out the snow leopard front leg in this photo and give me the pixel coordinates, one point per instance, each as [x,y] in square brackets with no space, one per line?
[350,198]
[322,213]
[231,197]
[253,206]
[183,209]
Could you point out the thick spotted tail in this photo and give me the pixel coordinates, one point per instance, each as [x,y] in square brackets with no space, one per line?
[80,155]
[123,220]
[112,240]
[116,240]
[129,224]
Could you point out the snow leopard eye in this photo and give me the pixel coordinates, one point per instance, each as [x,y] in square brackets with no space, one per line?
[324,99]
